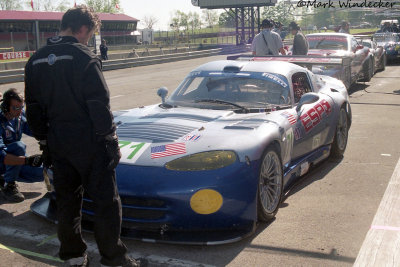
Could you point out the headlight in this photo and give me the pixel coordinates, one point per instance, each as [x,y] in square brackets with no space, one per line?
[203,161]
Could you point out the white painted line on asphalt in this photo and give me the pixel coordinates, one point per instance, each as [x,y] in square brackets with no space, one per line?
[116,96]
[386,155]
[92,248]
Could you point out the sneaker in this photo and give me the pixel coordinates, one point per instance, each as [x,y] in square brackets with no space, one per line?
[79,262]
[11,193]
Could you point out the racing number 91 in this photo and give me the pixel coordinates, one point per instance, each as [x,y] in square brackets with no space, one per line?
[314,115]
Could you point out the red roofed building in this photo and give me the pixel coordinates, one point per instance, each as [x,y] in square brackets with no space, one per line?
[27,30]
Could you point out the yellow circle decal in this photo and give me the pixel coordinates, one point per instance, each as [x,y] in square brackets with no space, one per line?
[206,201]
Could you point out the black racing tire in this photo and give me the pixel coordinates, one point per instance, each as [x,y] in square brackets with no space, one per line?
[339,143]
[368,71]
[270,185]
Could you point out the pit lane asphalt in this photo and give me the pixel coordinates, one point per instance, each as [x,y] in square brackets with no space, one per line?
[322,222]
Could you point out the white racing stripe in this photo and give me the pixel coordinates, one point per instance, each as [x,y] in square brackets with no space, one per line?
[92,248]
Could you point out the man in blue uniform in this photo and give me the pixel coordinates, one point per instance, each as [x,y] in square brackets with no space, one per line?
[14,163]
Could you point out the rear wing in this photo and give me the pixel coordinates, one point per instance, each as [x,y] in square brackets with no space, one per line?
[303,61]
[363,36]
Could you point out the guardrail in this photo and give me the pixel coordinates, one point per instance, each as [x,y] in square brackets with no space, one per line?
[17,75]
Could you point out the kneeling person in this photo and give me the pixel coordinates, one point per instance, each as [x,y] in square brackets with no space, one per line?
[14,164]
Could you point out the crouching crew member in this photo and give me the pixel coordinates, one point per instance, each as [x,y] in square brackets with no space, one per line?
[68,110]
[14,164]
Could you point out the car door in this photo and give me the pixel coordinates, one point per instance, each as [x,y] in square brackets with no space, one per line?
[312,125]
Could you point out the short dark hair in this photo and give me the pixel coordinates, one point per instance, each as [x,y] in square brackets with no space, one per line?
[79,16]
[9,95]
[266,23]
[294,26]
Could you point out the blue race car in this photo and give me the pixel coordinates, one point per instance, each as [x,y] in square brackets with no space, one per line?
[219,154]
[390,42]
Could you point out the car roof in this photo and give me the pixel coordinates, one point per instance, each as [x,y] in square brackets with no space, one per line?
[277,67]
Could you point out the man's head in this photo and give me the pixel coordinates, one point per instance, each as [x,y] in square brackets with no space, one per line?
[80,22]
[293,27]
[345,25]
[266,24]
[12,103]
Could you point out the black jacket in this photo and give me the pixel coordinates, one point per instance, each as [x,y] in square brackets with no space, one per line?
[300,44]
[67,99]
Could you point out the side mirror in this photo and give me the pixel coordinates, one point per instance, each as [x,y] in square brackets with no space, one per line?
[162,92]
[307,98]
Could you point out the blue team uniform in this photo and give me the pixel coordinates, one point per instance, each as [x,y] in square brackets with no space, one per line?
[10,143]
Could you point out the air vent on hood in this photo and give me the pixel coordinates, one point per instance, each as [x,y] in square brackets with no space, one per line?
[246,124]
[179,116]
[156,132]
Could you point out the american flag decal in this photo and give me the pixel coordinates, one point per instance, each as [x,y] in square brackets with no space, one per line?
[291,118]
[168,150]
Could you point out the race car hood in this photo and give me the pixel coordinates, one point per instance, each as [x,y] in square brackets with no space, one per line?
[153,136]
[326,52]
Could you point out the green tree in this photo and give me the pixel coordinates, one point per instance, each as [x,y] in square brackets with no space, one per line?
[278,13]
[10,4]
[194,20]
[210,17]
[104,6]
[227,19]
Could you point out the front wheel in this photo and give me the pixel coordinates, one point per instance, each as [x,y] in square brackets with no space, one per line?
[341,135]
[270,185]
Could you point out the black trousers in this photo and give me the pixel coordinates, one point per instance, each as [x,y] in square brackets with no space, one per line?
[74,174]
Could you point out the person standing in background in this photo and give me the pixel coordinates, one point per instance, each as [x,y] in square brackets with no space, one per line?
[300,43]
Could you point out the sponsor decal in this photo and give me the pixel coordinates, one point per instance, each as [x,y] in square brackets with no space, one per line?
[314,115]
[330,38]
[191,137]
[275,79]
[131,151]
[51,59]
[168,150]
[290,117]
[316,141]
[297,134]
[304,168]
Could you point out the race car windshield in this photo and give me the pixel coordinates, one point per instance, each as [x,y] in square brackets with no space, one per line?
[327,42]
[386,38]
[212,90]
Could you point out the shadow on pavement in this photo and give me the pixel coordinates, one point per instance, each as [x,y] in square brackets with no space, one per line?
[316,173]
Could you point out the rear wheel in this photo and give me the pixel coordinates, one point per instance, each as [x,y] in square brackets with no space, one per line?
[368,71]
[341,135]
[270,185]
[382,65]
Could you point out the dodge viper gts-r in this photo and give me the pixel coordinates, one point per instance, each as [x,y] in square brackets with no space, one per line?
[219,153]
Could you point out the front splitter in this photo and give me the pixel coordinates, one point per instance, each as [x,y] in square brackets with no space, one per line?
[46,208]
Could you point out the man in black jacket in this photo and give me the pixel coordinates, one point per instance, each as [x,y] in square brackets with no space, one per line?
[68,110]
[300,43]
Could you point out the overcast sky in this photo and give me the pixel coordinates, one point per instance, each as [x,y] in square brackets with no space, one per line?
[161,9]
